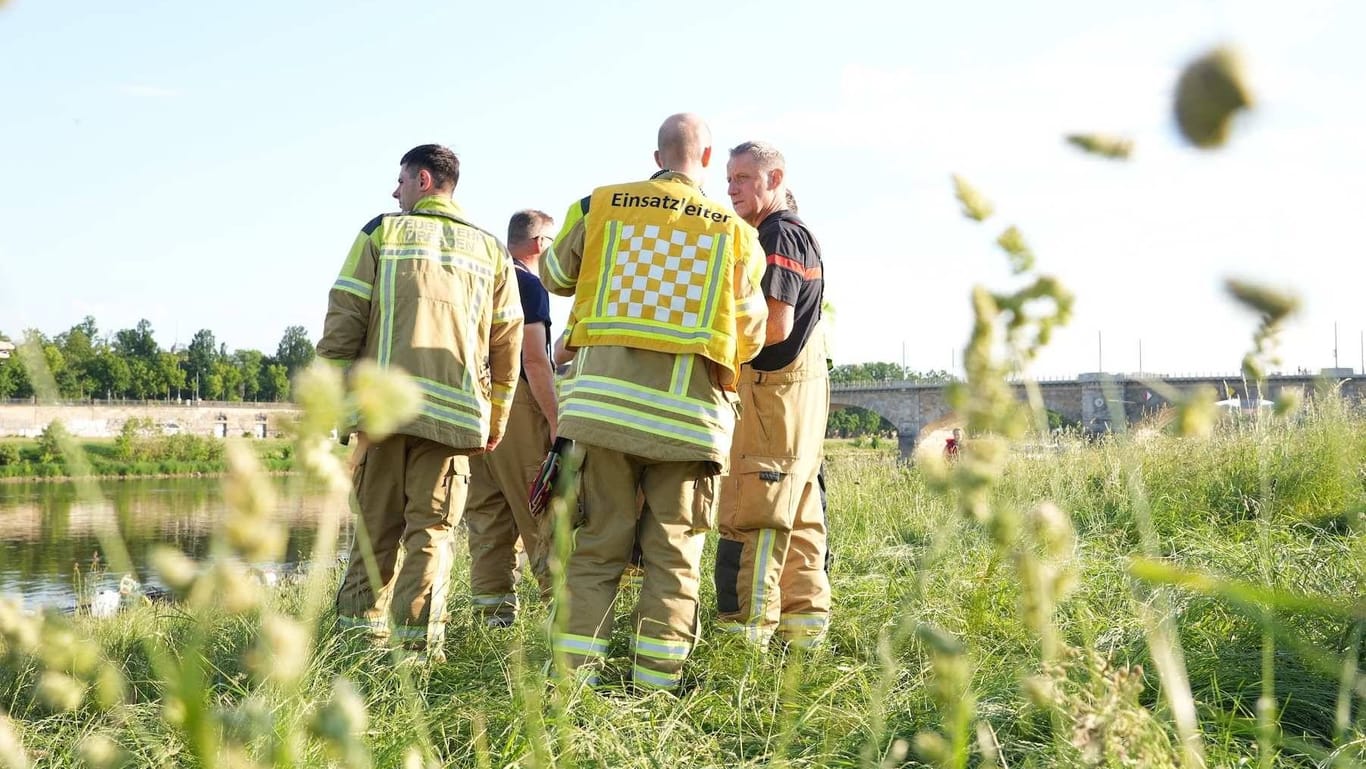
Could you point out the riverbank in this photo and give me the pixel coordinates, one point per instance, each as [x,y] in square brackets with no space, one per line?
[172,456]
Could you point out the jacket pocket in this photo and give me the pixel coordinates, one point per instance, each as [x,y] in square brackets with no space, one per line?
[763,490]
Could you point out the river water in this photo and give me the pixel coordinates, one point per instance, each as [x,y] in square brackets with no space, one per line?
[50,538]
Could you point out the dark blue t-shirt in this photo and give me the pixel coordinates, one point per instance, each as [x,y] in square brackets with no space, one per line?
[535,301]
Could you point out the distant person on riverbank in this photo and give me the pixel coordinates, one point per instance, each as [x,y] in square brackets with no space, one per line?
[429,293]
[498,511]
[953,445]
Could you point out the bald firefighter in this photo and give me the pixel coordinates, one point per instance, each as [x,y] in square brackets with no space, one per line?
[426,292]
[770,562]
[666,309]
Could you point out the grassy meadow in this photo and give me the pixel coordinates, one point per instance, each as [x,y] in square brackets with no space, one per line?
[943,649]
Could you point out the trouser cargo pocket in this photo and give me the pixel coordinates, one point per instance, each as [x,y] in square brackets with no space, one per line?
[763,494]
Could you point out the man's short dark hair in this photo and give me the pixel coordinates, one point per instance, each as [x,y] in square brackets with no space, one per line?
[526,224]
[440,162]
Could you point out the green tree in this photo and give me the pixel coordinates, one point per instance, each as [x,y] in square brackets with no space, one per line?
[228,379]
[249,364]
[199,359]
[14,382]
[274,382]
[137,342]
[144,377]
[172,373]
[78,346]
[111,374]
[295,350]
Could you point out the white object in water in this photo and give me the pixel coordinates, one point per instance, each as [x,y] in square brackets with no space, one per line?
[105,604]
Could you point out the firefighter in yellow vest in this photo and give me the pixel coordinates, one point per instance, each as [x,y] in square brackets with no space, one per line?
[666,309]
[429,293]
[770,562]
[498,513]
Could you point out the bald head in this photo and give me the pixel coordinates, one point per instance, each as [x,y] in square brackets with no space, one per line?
[684,144]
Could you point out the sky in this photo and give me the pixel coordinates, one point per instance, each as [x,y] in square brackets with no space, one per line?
[208,165]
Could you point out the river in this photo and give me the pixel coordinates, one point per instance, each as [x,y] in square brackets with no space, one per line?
[50,543]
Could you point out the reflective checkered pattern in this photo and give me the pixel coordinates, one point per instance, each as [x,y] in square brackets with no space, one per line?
[659,274]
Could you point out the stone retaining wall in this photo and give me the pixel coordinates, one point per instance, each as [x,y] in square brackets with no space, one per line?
[100,420]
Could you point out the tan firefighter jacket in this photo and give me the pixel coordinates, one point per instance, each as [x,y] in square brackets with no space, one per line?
[431,294]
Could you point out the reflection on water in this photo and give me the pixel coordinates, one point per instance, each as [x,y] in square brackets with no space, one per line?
[49,540]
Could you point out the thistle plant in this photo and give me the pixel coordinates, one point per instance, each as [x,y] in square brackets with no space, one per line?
[1009,329]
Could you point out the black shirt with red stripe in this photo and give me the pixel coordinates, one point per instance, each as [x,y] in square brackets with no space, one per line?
[794,275]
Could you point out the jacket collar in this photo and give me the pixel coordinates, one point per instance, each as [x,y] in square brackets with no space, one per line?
[439,204]
[666,175]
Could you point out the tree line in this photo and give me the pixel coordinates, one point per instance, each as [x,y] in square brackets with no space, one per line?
[884,372]
[128,363]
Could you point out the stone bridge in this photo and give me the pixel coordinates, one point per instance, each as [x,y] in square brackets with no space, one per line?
[1089,401]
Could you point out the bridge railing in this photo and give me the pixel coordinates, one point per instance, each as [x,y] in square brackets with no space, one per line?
[1135,376]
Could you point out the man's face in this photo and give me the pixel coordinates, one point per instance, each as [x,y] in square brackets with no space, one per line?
[410,189]
[751,190]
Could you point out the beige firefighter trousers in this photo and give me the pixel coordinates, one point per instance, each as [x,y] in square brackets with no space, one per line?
[770,561]
[498,510]
[409,492]
[680,505]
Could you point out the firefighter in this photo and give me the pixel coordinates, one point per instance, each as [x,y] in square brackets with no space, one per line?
[666,308]
[770,562]
[498,513]
[426,292]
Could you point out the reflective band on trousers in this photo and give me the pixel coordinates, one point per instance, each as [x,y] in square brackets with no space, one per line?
[587,646]
[655,678]
[660,649]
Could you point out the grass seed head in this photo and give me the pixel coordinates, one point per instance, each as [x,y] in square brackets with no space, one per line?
[975,206]
[1288,402]
[385,398]
[341,724]
[281,654]
[933,748]
[230,588]
[60,692]
[1273,305]
[318,391]
[99,751]
[176,570]
[1209,93]
[1012,242]
[1196,413]
[12,754]
[251,502]
[1101,145]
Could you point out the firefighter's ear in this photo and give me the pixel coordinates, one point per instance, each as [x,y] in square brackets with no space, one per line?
[424,179]
[706,157]
[658,161]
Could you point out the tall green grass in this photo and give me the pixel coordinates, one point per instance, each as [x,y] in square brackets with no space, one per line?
[905,558]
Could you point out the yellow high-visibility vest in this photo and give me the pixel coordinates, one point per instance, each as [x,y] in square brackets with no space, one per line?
[658,272]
